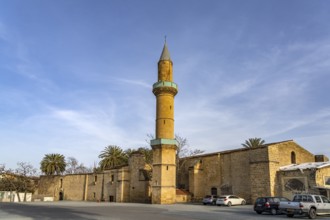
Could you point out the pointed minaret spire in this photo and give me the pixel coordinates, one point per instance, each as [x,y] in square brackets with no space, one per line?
[165,54]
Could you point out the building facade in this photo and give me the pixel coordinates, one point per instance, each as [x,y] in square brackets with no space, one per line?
[123,184]
[248,173]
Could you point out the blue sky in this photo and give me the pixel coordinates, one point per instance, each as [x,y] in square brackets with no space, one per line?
[76,75]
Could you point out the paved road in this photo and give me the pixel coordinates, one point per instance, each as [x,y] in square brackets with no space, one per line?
[126,211]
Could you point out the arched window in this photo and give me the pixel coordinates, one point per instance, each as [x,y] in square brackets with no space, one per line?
[293,157]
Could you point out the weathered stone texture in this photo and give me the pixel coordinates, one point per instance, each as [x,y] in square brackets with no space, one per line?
[285,150]
[321,176]
[235,172]
[248,173]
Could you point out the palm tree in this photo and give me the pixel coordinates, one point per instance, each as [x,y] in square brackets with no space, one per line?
[53,164]
[112,156]
[253,143]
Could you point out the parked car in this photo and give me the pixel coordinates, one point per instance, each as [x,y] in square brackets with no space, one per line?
[308,205]
[210,199]
[269,204]
[230,200]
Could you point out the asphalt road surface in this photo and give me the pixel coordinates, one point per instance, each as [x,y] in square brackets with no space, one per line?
[128,211]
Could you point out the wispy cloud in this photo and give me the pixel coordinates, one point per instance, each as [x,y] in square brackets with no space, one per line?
[134,82]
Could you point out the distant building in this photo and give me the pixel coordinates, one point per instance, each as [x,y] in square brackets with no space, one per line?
[123,184]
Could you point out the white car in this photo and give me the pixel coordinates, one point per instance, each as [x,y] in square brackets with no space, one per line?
[230,200]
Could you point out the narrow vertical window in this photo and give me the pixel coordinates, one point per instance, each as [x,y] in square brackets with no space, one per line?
[293,157]
[166,167]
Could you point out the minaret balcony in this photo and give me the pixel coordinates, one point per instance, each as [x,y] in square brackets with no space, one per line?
[166,87]
[163,141]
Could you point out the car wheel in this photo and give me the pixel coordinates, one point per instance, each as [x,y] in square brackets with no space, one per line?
[204,203]
[229,204]
[273,211]
[312,213]
[290,215]
[243,202]
[258,212]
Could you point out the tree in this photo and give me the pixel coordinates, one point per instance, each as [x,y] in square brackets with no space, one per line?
[183,150]
[21,180]
[147,153]
[112,156]
[83,169]
[53,164]
[73,167]
[25,172]
[253,143]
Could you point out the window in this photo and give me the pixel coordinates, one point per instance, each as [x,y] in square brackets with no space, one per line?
[310,199]
[297,198]
[294,184]
[214,191]
[317,198]
[293,157]
[112,178]
[325,200]
[95,179]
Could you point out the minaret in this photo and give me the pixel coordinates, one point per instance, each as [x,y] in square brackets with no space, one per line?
[164,146]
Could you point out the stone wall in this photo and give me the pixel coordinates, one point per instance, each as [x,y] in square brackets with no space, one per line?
[50,186]
[73,187]
[200,174]
[235,173]
[140,174]
[322,177]
[285,150]
[297,181]
[124,184]
[260,179]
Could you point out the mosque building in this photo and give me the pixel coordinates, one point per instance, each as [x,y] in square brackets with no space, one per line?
[274,169]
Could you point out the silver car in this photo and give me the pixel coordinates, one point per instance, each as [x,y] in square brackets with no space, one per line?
[210,200]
